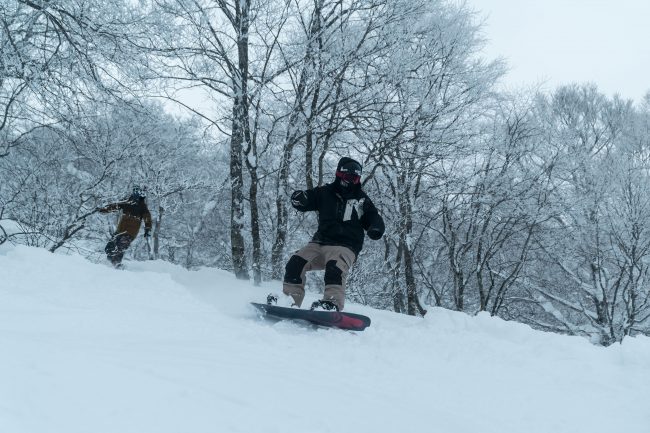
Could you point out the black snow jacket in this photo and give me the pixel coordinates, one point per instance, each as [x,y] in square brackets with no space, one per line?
[343,215]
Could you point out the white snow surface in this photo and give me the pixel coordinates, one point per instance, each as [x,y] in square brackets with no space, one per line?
[156,348]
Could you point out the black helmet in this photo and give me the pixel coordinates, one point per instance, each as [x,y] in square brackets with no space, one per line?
[139,191]
[348,171]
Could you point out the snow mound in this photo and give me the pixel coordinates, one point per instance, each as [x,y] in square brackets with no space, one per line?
[157,348]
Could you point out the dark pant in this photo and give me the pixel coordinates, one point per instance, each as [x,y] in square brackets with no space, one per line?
[116,247]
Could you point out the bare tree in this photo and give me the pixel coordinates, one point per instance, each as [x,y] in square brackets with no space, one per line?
[432,95]
[600,241]
[56,54]
[331,84]
[494,205]
[215,54]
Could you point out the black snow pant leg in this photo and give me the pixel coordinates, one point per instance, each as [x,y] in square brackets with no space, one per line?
[116,247]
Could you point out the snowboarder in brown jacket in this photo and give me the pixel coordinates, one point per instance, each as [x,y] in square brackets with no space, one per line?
[134,211]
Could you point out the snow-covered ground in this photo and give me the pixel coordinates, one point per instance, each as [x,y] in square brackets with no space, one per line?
[156,348]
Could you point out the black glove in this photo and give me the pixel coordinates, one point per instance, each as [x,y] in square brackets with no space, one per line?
[299,199]
[374,233]
[146,233]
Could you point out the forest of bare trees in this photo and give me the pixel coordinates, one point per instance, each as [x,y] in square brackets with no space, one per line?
[532,206]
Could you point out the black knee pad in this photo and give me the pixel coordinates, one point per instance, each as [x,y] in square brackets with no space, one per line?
[333,275]
[110,247]
[293,270]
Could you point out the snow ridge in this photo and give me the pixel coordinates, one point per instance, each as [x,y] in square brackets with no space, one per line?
[157,348]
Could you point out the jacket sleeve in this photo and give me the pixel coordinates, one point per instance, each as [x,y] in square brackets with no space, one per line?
[371,221]
[304,201]
[110,208]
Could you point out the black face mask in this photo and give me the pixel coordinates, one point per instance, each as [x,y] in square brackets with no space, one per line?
[346,189]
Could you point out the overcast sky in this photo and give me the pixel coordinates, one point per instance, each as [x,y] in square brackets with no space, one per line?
[606,42]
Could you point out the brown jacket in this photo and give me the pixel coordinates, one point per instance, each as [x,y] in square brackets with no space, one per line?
[134,211]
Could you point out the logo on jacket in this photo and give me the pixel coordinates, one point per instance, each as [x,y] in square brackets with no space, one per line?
[353,204]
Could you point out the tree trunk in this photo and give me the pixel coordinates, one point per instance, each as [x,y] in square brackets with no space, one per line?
[413,306]
[454,267]
[294,132]
[156,233]
[255,221]
[282,214]
[315,47]
[240,132]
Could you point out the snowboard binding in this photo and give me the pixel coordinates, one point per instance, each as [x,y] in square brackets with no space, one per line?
[271,299]
[324,305]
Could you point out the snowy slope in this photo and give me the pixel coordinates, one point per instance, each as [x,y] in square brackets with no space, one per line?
[156,348]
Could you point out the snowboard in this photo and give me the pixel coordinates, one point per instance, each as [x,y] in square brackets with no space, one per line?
[332,319]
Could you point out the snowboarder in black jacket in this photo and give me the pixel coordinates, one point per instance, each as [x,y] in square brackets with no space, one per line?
[344,213]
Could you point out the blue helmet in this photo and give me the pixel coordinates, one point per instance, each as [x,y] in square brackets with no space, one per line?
[139,191]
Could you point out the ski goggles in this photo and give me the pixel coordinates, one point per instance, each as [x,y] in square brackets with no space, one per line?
[349,177]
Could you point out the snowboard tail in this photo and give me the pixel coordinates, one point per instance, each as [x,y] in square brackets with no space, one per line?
[334,319]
